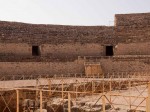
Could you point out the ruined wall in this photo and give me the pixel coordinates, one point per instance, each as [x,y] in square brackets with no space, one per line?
[53,34]
[132,33]
[60,45]
[15,49]
[58,68]
[23,51]
[132,27]
[132,49]
[54,41]
[132,20]
[110,65]
[41,68]
[72,50]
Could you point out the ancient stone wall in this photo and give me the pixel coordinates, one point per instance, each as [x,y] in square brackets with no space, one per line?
[110,65]
[54,34]
[61,45]
[132,27]
[14,49]
[132,49]
[66,51]
[41,68]
[72,50]
[132,20]
[58,68]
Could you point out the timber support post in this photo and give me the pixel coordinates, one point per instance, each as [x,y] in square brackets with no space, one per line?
[148,99]
[69,102]
[17,92]
[40,100]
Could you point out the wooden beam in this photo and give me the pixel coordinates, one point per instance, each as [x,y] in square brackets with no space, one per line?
[129,87]
[36,89]
[76,89]
[40,100]
[110,87]
[69,102]
[17,92]
[49,86]
[62,89]
[104,103]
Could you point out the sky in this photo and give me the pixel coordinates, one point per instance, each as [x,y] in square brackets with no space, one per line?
[69,12]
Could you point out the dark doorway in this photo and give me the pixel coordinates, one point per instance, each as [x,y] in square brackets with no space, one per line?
[109,51]
[35,51]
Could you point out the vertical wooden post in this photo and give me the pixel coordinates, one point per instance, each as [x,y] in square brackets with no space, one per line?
[40,100]
[84,86]
[103,97]
[17,92]
[110,87]
[91,71]
[103,85]
[119,82]
[49,86]
[104,103]
[69,102]
[148,99]
[36,90]
[76,90]
[129,85]
[62,89]
[92,89]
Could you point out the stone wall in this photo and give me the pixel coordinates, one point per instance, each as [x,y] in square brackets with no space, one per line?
[72,50]
[41,68]
[132,27]
[132,20]
[15,49]
[58,68]
[110,65]
[132,49]
[66,51]
[53,34]
[61,45]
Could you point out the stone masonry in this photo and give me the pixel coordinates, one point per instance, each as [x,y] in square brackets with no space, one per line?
[33,49]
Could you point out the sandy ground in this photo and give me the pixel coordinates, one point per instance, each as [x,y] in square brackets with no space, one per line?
[32,83]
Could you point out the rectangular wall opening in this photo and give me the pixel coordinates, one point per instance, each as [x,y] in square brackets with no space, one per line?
[109,51]
[35,51]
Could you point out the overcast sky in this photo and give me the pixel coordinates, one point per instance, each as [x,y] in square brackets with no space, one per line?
[69,12]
